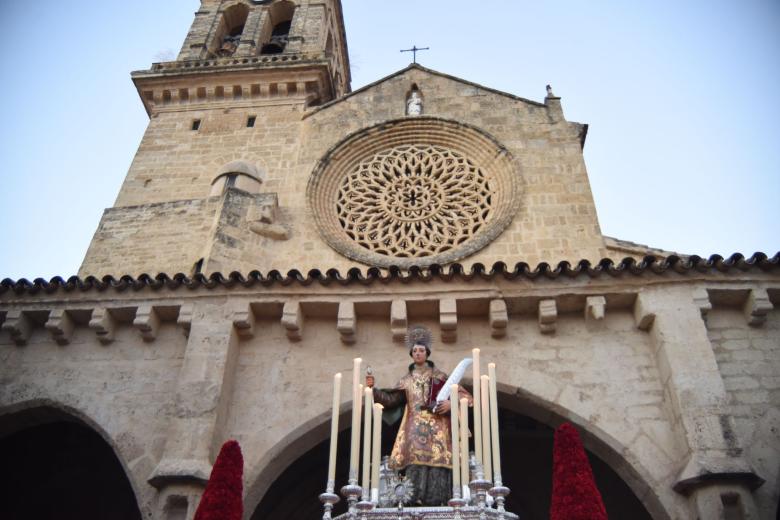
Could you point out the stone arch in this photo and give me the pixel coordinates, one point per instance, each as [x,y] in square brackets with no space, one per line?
[277,28]
[310,433]
[230,27]
[241,174]
[300,440]
[596,440]
[32,414]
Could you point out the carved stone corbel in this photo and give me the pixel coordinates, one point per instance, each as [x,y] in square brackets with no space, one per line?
[18,325]
[548,316]
[595,308]
[347,323]
[60,325]
[244,322]
[398,320]
[147,321]
[756,307]
[292,320]
[499,318]
[448,320]
[104,325]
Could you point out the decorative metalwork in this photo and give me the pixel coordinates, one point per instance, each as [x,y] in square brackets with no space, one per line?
[434,513]
[328,499]
[414,201]
[395,491]
[418,335]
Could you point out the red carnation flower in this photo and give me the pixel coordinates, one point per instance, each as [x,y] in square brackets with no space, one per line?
[222,499]
[575,495]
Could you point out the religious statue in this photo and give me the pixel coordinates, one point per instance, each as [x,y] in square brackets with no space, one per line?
[414,104]
[423,446]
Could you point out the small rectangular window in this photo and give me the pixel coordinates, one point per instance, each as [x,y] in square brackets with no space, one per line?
[250,122]
[196,124]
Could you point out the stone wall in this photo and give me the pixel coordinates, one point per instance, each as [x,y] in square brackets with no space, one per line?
[122,390]
[139,239]
[556,218]
[749,360]
[624,359]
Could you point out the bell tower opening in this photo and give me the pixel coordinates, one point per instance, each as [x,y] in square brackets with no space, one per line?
[277,30]
[229,31]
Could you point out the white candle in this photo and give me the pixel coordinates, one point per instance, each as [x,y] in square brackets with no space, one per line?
[486,463]
[494,424]
[354,453]
[376,445]
[368,397]
[455,430]
[475,370]
[464,445]
[334,432]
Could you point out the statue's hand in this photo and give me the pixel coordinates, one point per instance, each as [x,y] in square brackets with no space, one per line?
[442,408]
[370,381]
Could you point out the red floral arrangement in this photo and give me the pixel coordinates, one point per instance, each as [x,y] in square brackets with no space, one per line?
[574,495]
[222,499]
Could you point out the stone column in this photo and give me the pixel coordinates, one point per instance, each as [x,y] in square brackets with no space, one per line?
[201,402]
[252,32]
[715,470]
[194,46]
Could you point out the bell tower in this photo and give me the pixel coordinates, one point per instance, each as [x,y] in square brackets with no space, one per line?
[265,48]
[227,113]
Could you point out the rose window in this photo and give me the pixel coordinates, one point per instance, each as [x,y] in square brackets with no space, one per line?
[414,201]
[414,192]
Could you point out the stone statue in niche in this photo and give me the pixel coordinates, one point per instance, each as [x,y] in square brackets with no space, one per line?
[414,104]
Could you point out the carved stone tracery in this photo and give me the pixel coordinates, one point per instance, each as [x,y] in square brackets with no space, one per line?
[414,201]
[415,191]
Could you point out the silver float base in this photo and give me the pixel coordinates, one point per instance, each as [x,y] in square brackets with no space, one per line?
[430,513]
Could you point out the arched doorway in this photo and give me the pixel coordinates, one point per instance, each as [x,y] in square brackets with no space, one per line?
[526,465]
[57,467]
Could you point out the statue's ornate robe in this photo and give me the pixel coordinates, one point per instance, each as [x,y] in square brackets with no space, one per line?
[424,439]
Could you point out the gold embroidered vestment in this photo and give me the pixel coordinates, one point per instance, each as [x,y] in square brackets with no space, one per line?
[424,438]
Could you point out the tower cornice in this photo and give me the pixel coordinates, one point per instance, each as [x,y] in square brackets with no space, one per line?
[203,83]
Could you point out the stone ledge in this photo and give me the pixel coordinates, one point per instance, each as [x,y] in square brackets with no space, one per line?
[180,471]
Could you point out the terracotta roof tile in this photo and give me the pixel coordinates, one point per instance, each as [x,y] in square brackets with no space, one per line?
[626,267]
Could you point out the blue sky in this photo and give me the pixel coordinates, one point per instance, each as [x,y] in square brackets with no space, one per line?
[681,97]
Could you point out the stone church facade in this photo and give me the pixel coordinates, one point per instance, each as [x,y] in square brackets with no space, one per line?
[298,224]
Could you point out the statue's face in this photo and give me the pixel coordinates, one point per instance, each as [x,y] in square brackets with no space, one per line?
[419,354]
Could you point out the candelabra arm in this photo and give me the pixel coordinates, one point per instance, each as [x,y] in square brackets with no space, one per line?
[328,499]
[352,492]
[499,493]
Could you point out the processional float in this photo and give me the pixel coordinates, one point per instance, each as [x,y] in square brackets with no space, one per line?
[478,491]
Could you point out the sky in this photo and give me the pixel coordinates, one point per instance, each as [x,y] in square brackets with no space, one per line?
[682,98]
